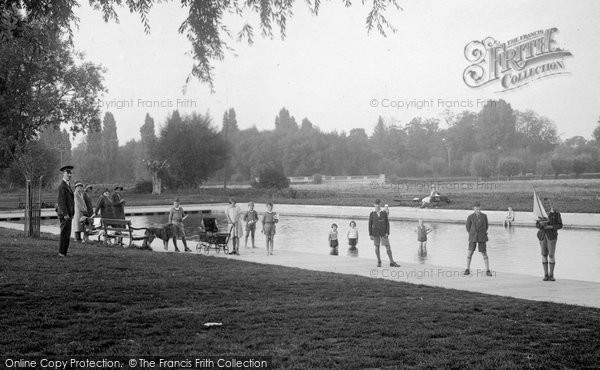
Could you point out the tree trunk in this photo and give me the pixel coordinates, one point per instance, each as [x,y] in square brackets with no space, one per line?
[156,183]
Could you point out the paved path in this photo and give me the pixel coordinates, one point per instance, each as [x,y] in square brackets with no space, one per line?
[503,284]
[570,220]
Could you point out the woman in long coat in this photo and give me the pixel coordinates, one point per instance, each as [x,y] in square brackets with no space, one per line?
[88,201]
[104,206]
[80,211]
[118,203]
[236,229]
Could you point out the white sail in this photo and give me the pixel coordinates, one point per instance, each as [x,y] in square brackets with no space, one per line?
[538,208]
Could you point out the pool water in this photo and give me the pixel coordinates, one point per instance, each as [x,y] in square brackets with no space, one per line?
[514,250]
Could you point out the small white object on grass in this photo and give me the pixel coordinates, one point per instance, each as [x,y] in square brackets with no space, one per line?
[209,324]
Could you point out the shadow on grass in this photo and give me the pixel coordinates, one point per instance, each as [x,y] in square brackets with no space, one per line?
[112,301]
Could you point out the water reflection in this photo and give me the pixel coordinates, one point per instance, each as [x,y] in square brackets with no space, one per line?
[513,249]
[352,252]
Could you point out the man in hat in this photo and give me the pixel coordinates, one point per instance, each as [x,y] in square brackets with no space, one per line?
[379,230]
[65,209]
[118,203]
[477,227]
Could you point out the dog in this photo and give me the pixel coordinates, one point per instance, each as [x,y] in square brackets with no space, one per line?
[164,233]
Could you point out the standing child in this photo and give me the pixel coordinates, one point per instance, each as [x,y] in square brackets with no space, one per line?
[269,219]
[176,217]
[422,232]
[352,240]
[251,217]
[333,240]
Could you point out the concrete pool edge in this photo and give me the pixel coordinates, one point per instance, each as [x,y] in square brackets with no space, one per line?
[589,221]
[566,291]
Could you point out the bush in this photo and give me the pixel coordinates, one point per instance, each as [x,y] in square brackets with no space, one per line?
[271,178]
[481,166]
[317,179]
[510,166]
[561,163]
[143,187]
[581,163]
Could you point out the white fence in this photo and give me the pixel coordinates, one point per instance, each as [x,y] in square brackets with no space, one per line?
[337,179]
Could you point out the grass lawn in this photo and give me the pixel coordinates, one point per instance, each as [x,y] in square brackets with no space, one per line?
[108,301]
[569,195]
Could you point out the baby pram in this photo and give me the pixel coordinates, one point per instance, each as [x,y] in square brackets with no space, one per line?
[210,237]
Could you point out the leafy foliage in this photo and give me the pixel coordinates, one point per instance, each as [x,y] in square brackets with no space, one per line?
[496,126]
[192,147]
[44,82]
[562,162]
[204,26]
[510,166]
[272,178]
[481,165]
[581,163]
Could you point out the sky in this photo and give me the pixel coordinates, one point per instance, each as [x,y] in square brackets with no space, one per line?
[330,70]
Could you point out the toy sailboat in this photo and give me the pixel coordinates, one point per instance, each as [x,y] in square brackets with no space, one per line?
[538,209]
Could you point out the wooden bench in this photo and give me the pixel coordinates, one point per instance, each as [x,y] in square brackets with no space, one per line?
[118,229]
[114,229]
[133,237]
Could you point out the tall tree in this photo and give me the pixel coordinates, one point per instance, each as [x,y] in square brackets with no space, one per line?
[110,146]
[192,147]
[380,134]
[125,161]
[536,133]
[285,123]
[230,124]
[306,125]
[44,82]
[496,127]
[144,151]
[92,167]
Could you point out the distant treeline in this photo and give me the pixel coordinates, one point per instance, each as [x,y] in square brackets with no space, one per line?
[495,140]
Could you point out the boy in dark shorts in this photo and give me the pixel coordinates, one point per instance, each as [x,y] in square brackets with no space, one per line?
[379,230]
[477,226]
[548,235]
[251,218]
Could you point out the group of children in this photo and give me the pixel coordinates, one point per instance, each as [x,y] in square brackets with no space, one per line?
[352,236]
[236,219]
[352,240]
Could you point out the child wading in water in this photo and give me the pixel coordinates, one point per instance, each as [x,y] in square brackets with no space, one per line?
[353,240]
[269,219]
[333,240]
[176,217]
[510,217]
[422,232]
